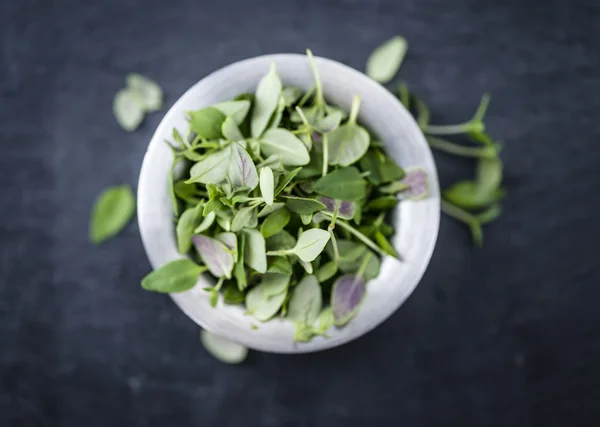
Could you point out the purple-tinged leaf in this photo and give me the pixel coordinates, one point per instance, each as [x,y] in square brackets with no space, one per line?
[316,137]
[346,209]
[347,294]
[229,239]
[242,171]
[215,255]
[416,179]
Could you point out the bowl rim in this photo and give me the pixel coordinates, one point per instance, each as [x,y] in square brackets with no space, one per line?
[434,197]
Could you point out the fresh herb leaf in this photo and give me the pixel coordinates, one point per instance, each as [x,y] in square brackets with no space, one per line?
[177,276]
[186,225]
[237,110]
[148,90]
[310,244]
[215,255]
[230,130]
[267,184]
[384,62]
[343,184]
[275,222]
[254,251]
[207,122]
[264,300]
[303,206]
[348,143]
[265,101]
[128,108]
[112,211]
[241,171]
[222,349]
[306,301]
[285,144]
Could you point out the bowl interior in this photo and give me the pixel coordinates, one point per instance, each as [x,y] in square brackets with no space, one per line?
[416,222]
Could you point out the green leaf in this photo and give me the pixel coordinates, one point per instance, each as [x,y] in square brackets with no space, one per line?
[275,222]
[237,110]
[310,244]
[254,250]
[385,245]
[230,240]
[241,170]
[326,271]
[264,300]
[212,169]
[404,95]
[383,203]
[222,349]
[232,295]
[342,184]
[281,241]
[265,101]
[287,178]
[329,123]
[326,320]
[393,187]
[128,108]
[488,176]
[242,218]
[347,144]
[381,168]
[306,218]
[303,206]
[171,186]
[149,91]
[306,302]
[206,223]
[291,95]
[468,195]
[177,276]
[215,254]
[186,225]
[231,130]
[490,214]
[285,144]
[384,62]
[372,269]
[207,122]
[267,185]
[270,209]
[238,270]
[112,211]
[281,265]
[277,115]
[423,114]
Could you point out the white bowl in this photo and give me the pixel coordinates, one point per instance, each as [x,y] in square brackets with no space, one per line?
[416,222]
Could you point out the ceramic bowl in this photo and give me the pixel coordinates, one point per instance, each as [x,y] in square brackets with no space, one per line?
[416,222]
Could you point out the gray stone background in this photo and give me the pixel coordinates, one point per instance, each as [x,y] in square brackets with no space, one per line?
[504,336]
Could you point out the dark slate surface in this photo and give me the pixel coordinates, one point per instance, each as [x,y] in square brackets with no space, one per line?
[508,335]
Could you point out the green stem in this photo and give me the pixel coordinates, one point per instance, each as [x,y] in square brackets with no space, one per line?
[219,284]
[336,253]
[281,252]
[319,97]
[306,96]
[362,237]
[354,109]
[335,215]
[466,218]
[460,150]
[325,153]
[364,264]
[448,129]
[303,117]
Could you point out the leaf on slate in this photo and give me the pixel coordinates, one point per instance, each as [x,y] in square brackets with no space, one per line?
[222,349]
[267,185]
[342,184]
[303,206]
[285,144]
[275,222]
[237,110]
[265,101]
[488,176]
[128,108]
[215,255]
[112,211]
[347,294]
[255,255]
[177,276]
[265,299]
[310,244]
[148,90]
[207,122]
[384,62]
[306,301]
